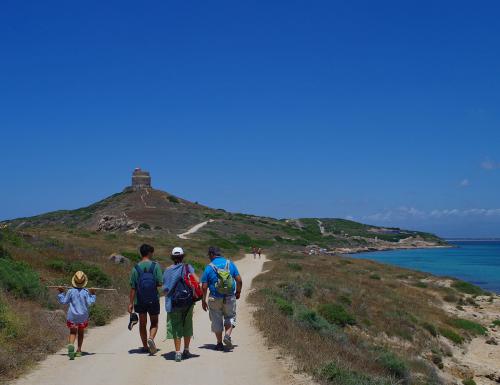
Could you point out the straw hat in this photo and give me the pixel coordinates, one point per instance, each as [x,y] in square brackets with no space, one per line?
[79,279]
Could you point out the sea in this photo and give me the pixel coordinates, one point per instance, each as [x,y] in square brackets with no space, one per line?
[477,262]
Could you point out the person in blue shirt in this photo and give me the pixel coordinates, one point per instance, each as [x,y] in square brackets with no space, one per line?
[79,300]
[221,307]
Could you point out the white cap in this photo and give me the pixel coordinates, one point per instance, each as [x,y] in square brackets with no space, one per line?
[177,251]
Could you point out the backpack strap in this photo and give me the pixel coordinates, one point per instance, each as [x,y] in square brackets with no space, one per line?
[228,263]
[214,267]
[152,267]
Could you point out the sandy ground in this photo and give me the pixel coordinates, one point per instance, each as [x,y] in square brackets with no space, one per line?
[113,358]
[194,229]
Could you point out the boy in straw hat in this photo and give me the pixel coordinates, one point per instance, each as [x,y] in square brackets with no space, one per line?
[79,300]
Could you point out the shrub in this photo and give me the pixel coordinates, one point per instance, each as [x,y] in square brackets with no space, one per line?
[332,373]
[496,322]
[336,314]
[294,266]
[20,279]
[144,226]
[284,306]
[469,381]
[376,277]
[430,328]
[9,325]
[393,364]
[312,320]
[99,314]
[346,300]
[96,276]
[451,335]
[421,284]
[197,266]
[450,297]
[468,288]
[132,255]
[470,326]
[56,264]
[308,289]
[173,199]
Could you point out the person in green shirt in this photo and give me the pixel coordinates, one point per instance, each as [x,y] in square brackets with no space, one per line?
[145,278]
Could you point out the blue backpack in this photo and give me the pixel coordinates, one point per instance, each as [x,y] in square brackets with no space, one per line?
[182,293]
[146,285]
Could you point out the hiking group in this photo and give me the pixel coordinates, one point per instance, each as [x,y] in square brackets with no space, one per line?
[218,289]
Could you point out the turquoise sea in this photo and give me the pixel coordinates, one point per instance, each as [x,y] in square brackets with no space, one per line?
[477,262]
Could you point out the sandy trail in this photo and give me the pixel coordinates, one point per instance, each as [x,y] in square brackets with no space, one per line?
[194,229]
[112,357]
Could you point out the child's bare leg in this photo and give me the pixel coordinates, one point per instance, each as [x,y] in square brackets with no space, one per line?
[187,341]
[143,321]
[153,327]
[72,336]
[81,333]
[177,344]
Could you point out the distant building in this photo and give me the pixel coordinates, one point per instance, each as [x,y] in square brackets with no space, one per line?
[140,179]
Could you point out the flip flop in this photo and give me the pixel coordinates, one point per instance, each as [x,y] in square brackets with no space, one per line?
[71,352]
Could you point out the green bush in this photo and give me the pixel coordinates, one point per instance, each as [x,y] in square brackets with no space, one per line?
[469,381]
[312,320]
[451,335]
[173,199]
[376,277]
[308,289]
[132,255]
[9,324]
[421,284]
[468,288]
[56,264]
[393,364]
[332,373]
[430,328]
[197,266]
[294,266]
[336,314]
[470,326]
[284,306]
[20,279]
[99,314]
[496,322]
[96,276]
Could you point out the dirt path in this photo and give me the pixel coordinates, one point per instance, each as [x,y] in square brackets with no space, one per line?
[194,229]
[112,358]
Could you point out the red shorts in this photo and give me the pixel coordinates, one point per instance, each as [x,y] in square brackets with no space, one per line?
[81,325]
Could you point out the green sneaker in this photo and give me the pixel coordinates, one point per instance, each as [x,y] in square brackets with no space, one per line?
[71,352]
[78,354]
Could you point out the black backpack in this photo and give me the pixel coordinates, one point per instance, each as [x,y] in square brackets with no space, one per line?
[146,285]
[182,293]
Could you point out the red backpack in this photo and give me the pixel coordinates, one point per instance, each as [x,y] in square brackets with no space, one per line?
[193,284]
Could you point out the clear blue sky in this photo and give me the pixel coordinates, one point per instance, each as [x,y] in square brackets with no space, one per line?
[385,112]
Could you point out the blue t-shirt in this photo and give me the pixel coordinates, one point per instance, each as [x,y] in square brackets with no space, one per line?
[210,277]
[170,278]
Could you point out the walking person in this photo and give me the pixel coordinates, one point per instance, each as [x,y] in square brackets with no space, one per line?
[259,251]
[222,279]
[79,300]
[178,303]
[254,251]
[145,279]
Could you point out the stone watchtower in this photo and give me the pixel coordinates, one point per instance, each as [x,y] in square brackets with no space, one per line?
[140,179]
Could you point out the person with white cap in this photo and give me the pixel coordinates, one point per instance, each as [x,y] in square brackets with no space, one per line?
[79,300]
[179,302]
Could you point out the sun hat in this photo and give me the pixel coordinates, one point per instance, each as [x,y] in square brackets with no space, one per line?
[177,251]
[79,279]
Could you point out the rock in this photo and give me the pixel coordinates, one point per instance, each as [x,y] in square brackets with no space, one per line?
[118,259]
[491,341]
[112,223]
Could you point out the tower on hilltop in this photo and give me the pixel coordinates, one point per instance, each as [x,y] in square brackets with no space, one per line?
[140,179]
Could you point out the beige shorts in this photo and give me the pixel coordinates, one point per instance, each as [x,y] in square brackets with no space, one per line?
[222,312]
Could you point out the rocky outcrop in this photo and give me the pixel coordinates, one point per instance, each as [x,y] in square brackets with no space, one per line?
[112,223]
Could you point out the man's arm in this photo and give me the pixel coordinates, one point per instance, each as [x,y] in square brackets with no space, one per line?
[204,304]
[131,298]
[239,285]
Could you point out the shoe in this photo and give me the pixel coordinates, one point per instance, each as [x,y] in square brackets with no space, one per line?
[186,354]
[71,352]
[152,346]
[178,356]
[227,341]
[134,319]
[78,354]
[219,347]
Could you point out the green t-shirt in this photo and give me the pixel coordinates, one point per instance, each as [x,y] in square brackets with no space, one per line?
[145,266]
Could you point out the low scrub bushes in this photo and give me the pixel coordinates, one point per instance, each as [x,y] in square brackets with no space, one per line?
[430,328]
[99,314]
[96,276]
[284,306]
[9,324]
[20,279]
[334,374]
[294,266]
[469,381]
[468,288]
[470,326]
[393,364]
[451,335]
[310,319]
[336,314]
[132,255]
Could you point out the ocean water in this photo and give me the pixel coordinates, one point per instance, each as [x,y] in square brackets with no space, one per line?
[477,262]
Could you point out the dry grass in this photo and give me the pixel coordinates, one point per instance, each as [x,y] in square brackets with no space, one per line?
[334,317]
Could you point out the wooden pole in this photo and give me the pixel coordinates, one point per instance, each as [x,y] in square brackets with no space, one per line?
[71,287]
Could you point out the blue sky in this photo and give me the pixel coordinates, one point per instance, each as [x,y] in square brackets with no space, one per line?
[383,112]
